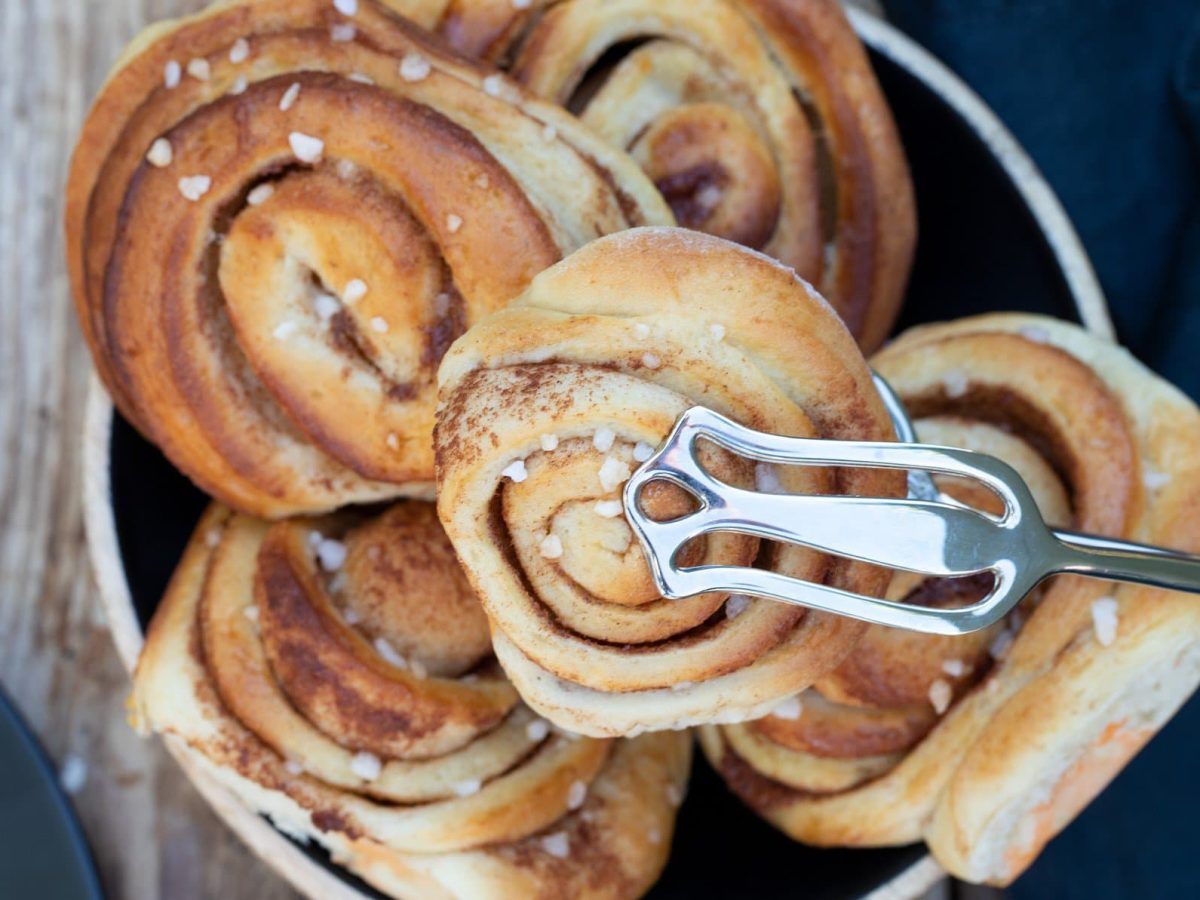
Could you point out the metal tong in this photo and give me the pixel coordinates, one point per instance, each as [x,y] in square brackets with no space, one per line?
[928,533]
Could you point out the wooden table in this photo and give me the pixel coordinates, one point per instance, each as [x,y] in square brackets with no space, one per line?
[151,833]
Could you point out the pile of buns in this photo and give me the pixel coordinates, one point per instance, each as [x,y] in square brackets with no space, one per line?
[343,259]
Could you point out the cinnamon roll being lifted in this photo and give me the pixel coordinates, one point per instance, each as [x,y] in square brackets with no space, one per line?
[548,405]
[987,745]
[278,218]
[336,675]
[759,120]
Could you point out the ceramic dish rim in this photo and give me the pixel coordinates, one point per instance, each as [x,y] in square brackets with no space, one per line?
[287,859]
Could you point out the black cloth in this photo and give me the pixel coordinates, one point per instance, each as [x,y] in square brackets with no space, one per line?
[1105,96]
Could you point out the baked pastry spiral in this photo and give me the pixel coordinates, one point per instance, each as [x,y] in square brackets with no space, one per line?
[546,408]
[759,120]
[336,675]
[278,218]
[988,745]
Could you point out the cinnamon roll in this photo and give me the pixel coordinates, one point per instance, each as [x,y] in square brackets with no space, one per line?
[545,409]
[336,675]
[279,215]
[759,120]
[987,745]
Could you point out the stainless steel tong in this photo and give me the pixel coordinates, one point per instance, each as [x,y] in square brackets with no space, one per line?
[928,533]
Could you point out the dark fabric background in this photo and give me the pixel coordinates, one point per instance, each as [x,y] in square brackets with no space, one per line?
[1105,95]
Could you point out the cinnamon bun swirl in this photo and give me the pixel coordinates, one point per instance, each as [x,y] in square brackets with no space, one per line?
[546,408]
[336,675]
[987,745]
[278,218]
[760,121]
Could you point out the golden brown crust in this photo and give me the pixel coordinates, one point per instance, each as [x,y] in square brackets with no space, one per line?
[233,239]
[486,29]
[759,120]
[109,150]
[543,409]
[426,785]
[1039,721]
[828,729]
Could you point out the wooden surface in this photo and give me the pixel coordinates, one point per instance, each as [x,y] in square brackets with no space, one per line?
[152,834]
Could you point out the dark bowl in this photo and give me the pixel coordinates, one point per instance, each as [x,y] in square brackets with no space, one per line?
[992,237]
[43,852]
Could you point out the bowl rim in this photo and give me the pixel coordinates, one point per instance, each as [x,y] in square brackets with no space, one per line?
[285,857]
